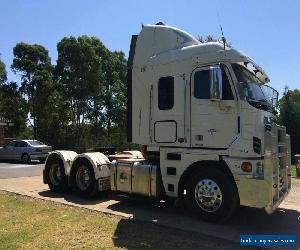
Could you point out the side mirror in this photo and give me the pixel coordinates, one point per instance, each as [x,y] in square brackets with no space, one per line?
[215,83]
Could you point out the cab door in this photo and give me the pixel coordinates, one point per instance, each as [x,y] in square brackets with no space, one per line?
[214,124]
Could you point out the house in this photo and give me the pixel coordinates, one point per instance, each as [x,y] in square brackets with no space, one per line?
[3,123]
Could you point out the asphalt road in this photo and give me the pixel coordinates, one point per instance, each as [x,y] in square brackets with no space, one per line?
[16,169]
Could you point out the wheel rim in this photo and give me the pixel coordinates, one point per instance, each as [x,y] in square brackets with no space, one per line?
[25,158]
[83,178]
[55,174]
[208,195]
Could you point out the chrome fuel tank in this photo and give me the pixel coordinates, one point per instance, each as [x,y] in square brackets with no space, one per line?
[138,177]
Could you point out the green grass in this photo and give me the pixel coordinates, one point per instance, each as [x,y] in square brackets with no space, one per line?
[293,170]
[27,223]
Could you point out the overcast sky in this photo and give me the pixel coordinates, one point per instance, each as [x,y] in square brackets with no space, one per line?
[268,31]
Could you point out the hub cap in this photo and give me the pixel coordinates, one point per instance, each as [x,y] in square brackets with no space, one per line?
[208,195]
[55,174]
[25,158]
[83,179]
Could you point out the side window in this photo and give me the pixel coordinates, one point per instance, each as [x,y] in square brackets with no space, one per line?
[11,144]
[202,84]
[226,88]
[21,144]
[166,93]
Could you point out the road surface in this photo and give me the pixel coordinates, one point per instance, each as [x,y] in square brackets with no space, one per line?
[16,169]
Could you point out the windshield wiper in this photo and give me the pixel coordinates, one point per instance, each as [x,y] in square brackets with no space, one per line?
[259,103]
[262,103]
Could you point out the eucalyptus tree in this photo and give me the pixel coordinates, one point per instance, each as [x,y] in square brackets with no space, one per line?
[33,64]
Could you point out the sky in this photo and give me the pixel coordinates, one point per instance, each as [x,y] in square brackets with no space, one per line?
[268,31]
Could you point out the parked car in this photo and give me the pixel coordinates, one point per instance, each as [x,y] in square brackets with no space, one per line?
[25,151]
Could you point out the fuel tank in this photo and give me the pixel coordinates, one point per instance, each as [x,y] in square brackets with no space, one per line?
[136,177]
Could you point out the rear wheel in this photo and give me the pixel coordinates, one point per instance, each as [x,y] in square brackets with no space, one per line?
[57,180]
[212,194]
[83,179]
[25,158]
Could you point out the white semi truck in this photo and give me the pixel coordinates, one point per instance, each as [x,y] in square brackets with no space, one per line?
[204,116]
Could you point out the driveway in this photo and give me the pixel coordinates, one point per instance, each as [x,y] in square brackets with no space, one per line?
[286,220]
[16,169]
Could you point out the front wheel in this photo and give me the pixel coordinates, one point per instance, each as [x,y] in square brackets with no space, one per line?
[83,179]
[212,194]
[26,159]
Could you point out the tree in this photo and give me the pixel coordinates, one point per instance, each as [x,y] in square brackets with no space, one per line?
[13,107]
[115,104]
[3,76]
[79,72]
[289,116]
[33,63]
[210,38]
[79,75]
[93,80]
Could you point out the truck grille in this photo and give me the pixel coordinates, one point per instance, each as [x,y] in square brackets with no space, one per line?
[277,161]
[257,145]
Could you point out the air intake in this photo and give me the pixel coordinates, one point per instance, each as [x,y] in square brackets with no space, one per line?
[256,145]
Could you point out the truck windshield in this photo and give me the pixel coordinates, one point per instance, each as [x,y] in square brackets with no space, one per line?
[258,95]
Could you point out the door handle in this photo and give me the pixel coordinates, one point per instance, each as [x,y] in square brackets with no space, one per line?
[180,140]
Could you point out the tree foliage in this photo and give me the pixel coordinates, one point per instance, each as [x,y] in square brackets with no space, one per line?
[210,39]
[289,116]
[79,102]
[13,107]
[3,76]
[33,64]
[93,83]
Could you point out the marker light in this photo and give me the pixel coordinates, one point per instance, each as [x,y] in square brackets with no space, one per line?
[246,167]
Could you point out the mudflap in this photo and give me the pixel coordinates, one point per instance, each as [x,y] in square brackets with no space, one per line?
[104,184]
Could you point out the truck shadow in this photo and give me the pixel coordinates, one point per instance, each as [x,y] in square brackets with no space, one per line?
[133,234]
[246,221]
[71,198]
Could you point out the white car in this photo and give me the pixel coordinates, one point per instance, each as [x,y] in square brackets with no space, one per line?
[25,151]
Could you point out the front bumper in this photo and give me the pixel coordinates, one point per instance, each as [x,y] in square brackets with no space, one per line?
[268,192]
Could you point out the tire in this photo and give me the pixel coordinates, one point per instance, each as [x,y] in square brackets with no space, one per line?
[55,175]
[83,179]
[212,194]
[25,158]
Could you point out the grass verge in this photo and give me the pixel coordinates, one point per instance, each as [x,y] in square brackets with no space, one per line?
[27,223]
[293,170]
